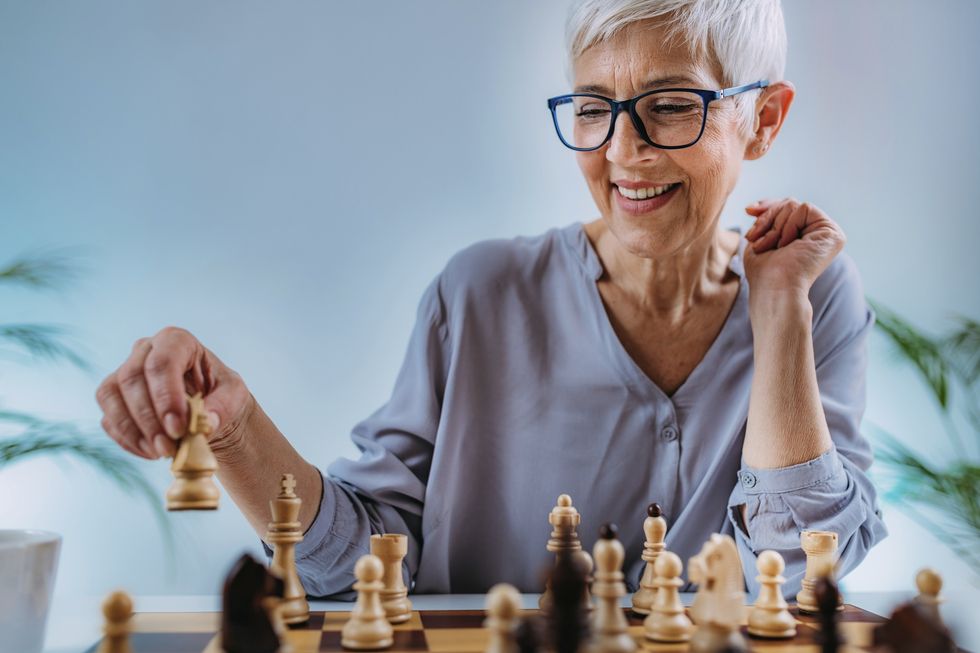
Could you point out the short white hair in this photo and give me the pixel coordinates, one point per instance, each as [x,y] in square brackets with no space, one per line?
[746,39]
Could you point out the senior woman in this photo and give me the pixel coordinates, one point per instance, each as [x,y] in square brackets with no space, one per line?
[648,355]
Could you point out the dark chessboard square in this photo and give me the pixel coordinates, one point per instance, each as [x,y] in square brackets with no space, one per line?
[405,640]
[453,618]
[166,642]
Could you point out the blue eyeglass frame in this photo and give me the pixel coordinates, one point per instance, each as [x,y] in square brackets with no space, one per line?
[629,106]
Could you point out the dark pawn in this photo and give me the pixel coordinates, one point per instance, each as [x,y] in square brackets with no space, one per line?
[568,623]
[527,636]
[912,630]
[608,531]
[245,623]
[828,596]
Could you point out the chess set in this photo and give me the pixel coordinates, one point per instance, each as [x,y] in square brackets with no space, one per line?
[265,609]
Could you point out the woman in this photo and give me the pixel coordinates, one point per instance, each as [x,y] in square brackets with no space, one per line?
[648,355]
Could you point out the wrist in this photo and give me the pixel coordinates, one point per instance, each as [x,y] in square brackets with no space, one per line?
[779,307]
[230,442]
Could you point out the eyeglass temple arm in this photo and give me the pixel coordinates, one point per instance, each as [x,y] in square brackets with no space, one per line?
[735,90]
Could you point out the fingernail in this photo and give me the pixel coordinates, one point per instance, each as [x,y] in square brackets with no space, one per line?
[145,447]
[172,423]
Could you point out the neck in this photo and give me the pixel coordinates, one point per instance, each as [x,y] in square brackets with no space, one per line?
[668,286]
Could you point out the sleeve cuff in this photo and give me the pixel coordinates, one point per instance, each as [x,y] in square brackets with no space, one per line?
[821,469]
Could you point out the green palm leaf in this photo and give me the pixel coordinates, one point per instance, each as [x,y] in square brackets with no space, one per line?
[41,271]
[43,341]
[920,350]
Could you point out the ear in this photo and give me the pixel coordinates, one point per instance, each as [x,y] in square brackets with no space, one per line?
[771,108]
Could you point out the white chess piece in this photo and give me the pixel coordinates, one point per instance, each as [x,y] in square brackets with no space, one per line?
[503,607]
[368,628]
[930,584]
[770,616]
[654,529]
[118,610]
[821,553]
[391,548]
[720,597]
[610,630]
[667,621]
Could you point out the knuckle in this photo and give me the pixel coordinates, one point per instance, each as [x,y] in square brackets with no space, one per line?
[171,331]
[130,378]
[141,342]
[158,364]
[106,390]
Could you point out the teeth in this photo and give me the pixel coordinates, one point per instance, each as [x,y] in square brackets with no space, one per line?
[644,193]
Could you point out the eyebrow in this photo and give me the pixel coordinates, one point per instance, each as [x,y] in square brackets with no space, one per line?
[660,81]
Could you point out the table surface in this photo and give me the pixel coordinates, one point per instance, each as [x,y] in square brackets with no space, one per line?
[75,623]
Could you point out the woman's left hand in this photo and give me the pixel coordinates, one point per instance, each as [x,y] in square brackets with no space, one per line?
[790,245]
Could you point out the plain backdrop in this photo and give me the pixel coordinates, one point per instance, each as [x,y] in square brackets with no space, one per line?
[283,179]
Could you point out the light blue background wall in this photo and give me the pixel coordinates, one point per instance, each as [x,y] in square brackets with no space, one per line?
[283,179]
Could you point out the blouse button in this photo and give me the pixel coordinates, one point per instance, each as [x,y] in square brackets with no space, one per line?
[669,433]
[749,479]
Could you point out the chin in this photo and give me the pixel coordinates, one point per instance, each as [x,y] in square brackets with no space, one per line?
[644,236]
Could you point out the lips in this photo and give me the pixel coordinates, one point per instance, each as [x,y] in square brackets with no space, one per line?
[642,206]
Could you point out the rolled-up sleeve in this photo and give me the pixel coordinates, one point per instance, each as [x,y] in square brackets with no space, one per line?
[383,490]
[832,492]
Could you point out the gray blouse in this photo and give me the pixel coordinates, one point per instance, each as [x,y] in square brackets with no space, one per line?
[515,388]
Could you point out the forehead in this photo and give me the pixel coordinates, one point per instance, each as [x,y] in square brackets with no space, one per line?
[638,57]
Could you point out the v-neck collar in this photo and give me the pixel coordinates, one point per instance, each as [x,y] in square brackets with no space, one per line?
[635,378]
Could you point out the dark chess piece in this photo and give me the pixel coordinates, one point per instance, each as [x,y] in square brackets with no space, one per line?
[827,598]
[527,635]
[247,622]
[911,629]
[568,622]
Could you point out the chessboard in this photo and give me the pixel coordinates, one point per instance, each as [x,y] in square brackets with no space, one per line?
[447,631]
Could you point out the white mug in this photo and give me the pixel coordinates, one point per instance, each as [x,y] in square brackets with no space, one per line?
[28,564]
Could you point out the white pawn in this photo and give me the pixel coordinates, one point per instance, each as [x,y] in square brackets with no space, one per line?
[667,621]
[503,606]
[654,528]
[610,631]
[770,616]
[930,584]
[117,609]
[368,628]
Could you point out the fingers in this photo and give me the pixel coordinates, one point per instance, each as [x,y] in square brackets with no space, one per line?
[173,355]
[117,422]
[136,396]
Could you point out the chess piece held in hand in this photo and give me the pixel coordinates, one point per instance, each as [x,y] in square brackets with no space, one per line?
[117,609]
[194,464]
[285,532]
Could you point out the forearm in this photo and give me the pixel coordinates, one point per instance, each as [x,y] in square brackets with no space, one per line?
[251,460]
[786,424]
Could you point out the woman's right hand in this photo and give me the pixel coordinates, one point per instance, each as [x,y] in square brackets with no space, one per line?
[144,403]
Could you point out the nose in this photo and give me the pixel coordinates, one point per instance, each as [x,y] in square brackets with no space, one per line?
[625,145]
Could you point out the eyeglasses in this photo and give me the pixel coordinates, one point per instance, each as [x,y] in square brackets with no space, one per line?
[669,118]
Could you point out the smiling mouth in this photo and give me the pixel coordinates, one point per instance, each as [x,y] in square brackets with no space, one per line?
[640,194]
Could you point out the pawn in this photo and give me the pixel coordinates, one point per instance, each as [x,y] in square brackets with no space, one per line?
[654,528]
[667,621]
[503,608]
[610,630]
[117,609]
[930,584]
[770,616]
[368,628]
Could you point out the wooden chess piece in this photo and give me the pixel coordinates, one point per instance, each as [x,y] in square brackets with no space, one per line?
[117,610]
[667,621]
[248,620]
[391,548]
[194,464]
[285,532]
[568,621]
[930,584]
[610,632]
[368,628]
[564,519]
[655,529]
[503,611]
[827,596]
[821,552]
[910,629]
[720,599]
[770,616]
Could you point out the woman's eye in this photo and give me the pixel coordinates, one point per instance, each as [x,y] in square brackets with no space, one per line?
[593,111]
[670,109]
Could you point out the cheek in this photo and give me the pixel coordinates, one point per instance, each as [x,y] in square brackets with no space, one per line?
[592,165]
